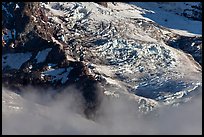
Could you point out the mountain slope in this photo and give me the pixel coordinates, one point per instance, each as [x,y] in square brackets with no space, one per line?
[135,51]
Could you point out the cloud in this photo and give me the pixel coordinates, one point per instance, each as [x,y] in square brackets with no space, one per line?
[40,114]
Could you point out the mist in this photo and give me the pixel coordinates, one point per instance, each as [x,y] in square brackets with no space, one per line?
[40,114]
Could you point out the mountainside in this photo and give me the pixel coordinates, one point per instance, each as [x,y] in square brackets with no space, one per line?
[148,53]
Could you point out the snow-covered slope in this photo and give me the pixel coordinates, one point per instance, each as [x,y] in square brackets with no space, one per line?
[148,53]
[175,15]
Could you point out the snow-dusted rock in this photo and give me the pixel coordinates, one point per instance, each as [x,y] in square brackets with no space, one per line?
[124,49]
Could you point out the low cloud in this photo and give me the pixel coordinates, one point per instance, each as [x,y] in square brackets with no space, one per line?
[40,114]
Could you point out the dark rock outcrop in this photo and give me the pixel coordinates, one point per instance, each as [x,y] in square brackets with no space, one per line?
[103,4]
[33,35]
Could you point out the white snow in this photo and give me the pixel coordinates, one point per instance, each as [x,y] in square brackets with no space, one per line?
[111,81]
[106,70]
[58,74]
[177,23]
[42,55]
[30,67]
[11,101]
[130,61]
[54,11]
[17,6]
[54,40]
[68,57]
[121,15]
[15,60]
[50,65]
[108,93]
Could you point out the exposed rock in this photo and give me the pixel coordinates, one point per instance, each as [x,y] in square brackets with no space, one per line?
[103,4]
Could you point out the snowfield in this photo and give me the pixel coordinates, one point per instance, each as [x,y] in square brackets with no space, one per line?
[151,81]
[14,61]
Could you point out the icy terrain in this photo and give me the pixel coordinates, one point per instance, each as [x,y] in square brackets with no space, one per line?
[146,57]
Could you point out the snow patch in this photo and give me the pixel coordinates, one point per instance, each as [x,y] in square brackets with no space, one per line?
[171,16]
[15,61]
[42,55]
[60,74]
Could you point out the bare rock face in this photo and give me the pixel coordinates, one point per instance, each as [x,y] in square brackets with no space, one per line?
[103,4]
[33,35]
[191,45]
